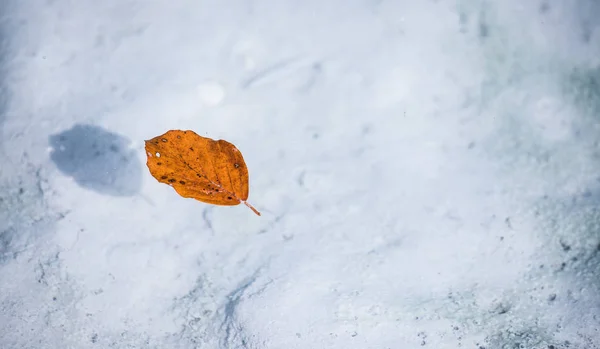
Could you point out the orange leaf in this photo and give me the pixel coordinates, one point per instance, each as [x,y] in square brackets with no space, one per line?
[200,168]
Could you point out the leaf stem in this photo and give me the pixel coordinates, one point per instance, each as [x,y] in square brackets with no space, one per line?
[252,208]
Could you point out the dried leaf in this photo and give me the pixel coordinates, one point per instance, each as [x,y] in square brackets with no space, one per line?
[200,168]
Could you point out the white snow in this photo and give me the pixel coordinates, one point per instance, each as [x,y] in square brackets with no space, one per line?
[427,174]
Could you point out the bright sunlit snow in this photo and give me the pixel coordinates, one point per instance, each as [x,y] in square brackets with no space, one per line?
[428,174]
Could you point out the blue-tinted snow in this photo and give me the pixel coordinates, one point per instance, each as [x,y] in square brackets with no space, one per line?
[427,172]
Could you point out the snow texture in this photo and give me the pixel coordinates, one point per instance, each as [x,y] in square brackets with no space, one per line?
[428,174]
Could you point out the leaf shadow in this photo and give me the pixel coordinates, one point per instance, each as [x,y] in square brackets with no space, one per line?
[97,160]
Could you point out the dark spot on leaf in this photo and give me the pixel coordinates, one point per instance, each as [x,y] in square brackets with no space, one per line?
[164,140]
[182,182]
[159,163]
[164,177]
[172,180]
[229,198]
[191,149]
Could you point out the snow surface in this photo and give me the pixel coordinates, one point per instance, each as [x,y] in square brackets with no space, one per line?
[428,174]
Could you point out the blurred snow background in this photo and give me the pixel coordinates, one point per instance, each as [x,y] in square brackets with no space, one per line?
[428,174]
